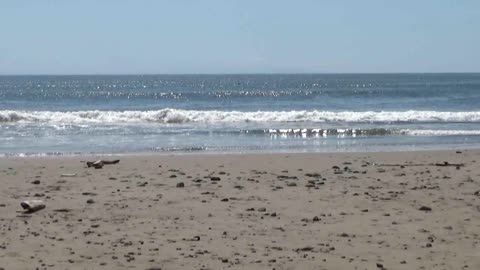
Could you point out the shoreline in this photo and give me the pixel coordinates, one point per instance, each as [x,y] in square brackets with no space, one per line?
[244,211]
[220,153]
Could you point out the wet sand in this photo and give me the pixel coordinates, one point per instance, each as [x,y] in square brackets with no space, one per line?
[407,210]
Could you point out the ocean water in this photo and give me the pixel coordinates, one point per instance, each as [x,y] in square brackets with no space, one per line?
[55,115]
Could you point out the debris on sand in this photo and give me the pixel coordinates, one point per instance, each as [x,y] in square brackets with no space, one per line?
[99,163]
[32,205]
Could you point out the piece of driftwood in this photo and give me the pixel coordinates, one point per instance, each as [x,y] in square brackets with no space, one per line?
[99,163]
[444,164]
[400,165]
[32,205]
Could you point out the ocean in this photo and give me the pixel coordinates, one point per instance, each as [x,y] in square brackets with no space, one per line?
[124,114]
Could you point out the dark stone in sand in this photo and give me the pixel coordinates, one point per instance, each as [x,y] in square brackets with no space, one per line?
[214,178]
[286,177]
[89,194]
[262,209]
[154,268]
[224,200]
[62,210]
[36,182]
[425,208]
[379,265]
[90,201]
[194,239]
[316,218]
[180,185]
[304,249]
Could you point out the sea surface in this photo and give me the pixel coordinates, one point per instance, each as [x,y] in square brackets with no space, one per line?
[122,114]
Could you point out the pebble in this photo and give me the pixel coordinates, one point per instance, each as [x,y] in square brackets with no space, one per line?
[180,185]
[425,208]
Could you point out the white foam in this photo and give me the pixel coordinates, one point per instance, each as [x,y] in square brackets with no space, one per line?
[435,132]
[171,116]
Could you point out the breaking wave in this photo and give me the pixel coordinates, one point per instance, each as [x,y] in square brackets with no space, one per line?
[176,116]
[354,132]
[439,132]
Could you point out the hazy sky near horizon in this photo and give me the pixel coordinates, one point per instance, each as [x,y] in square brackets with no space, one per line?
[242,36]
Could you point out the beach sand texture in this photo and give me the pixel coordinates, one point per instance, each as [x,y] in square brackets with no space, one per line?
[234,211]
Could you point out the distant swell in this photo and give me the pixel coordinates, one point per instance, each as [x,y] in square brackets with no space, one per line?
[174,116]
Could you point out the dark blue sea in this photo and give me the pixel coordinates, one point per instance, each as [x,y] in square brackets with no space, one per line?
[65,115]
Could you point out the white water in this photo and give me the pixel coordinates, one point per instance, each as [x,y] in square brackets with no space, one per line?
[172,116]
[434,132]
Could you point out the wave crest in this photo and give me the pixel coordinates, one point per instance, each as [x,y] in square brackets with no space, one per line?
[175,116]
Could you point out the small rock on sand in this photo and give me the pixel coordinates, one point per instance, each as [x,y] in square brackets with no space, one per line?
[425,208]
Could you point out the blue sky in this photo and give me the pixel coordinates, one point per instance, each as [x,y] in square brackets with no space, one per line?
[243,36]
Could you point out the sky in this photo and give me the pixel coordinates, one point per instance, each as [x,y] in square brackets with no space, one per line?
[238,36]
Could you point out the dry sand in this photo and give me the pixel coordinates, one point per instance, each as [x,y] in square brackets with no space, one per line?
[256,211]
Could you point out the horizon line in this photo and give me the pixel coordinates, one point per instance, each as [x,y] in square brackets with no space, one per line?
[239,73]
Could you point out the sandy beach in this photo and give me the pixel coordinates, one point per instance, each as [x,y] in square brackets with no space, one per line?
[405,210]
